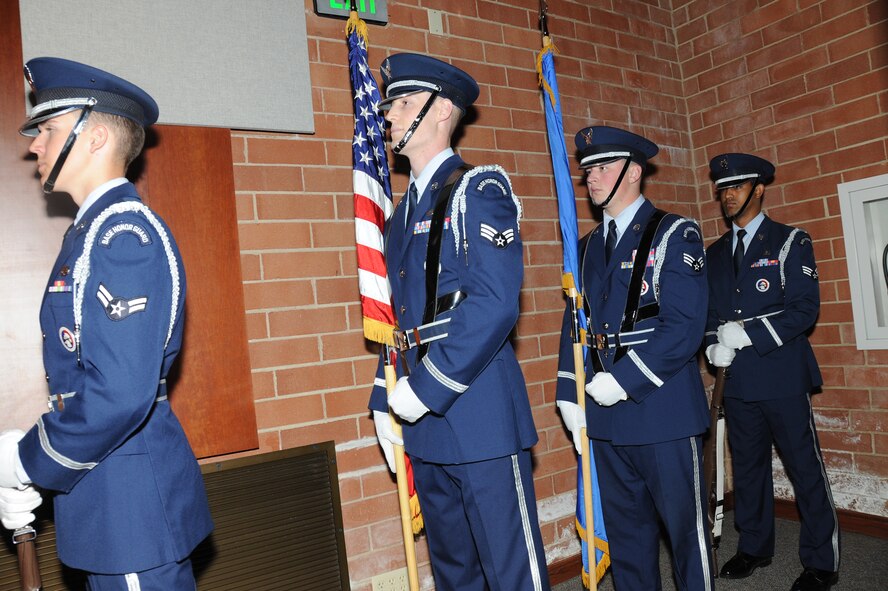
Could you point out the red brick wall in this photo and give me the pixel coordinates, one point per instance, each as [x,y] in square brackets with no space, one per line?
[807,91]
[803,83]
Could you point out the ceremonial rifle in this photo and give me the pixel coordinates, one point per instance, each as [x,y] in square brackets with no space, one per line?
[714,464]
[23,538]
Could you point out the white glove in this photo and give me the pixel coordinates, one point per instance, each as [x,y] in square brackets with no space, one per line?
[575,420]
[733,335]
[719,355]
[605,390]
[386,437]
[9,475]
[406,403]
[16,506]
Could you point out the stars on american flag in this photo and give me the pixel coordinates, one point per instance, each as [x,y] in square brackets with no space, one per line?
[369,139]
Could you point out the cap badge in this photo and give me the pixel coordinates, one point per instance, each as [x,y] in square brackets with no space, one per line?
[587,135]
[30,78]
[723,163]
[386,69]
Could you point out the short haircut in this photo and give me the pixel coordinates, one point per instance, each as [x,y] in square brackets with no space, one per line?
[129,134]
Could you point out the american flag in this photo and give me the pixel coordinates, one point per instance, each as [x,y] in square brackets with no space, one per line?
[373,193]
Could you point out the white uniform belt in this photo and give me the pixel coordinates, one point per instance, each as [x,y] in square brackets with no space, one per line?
[602,340]
[427,333]
[58,400]
[744,320]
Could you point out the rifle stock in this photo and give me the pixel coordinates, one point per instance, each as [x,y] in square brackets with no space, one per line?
[29,569]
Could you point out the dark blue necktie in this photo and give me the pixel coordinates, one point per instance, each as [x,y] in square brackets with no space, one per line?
[611,241]
[412,199]
[739,251]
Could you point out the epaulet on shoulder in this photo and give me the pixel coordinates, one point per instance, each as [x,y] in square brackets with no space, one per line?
[687,228]
[491,179]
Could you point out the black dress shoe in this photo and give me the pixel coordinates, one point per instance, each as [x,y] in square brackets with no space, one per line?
[814,579]
[742,564]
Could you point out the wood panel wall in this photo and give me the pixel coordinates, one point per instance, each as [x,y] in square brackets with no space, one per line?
[186,176]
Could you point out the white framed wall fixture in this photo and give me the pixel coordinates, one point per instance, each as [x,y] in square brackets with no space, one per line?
[864,209]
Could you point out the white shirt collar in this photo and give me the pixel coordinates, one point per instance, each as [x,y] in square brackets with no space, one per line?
[96,194]
[429,171]
[624,218]
[751,228]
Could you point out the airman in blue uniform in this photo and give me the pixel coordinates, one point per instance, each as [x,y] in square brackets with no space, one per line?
[455,264]
[130,504]
[643,282]
[764,298]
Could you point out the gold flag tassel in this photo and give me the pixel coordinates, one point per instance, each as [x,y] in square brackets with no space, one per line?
[357,24]
[548,47]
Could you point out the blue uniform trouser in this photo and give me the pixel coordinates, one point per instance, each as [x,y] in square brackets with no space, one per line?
[174,576]
[481,523]
[641,485]
[789,422]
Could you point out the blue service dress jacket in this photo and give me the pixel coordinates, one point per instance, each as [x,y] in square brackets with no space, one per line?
[777,296]
[470,380]
[130,495]
[660,374]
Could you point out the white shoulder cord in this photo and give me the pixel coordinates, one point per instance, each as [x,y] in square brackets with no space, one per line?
[459,200]
[660,257]
[82,267]
[784,252]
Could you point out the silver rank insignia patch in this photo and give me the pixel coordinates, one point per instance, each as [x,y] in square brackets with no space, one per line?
[499,239]
[695,264]
[812,273]
[118,308]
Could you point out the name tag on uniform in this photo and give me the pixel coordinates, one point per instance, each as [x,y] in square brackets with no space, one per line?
[765,263]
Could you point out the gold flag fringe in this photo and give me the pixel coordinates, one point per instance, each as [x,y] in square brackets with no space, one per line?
[605,561]
[379,332]
[416,515]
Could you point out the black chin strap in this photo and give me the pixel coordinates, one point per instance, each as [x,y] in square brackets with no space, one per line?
[422,113]
[617,184]
[49,185]
[740,211]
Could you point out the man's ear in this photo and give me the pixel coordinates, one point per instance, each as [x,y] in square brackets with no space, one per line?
[445,108]
[759,191]
[634,172]
[97,136]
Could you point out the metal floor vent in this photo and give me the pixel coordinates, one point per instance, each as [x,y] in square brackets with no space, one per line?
[278,528]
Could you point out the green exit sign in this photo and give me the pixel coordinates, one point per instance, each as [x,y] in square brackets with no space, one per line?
[374,11]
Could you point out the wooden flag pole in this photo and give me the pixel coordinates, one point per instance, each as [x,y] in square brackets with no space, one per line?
[580,373]
[391,378]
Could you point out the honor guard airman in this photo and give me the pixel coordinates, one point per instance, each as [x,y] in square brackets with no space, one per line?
[643,284]
[130,504]
[764,298]
[455,263]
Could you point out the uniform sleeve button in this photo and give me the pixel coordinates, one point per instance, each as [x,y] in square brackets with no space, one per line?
[606,326]
[402,273]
